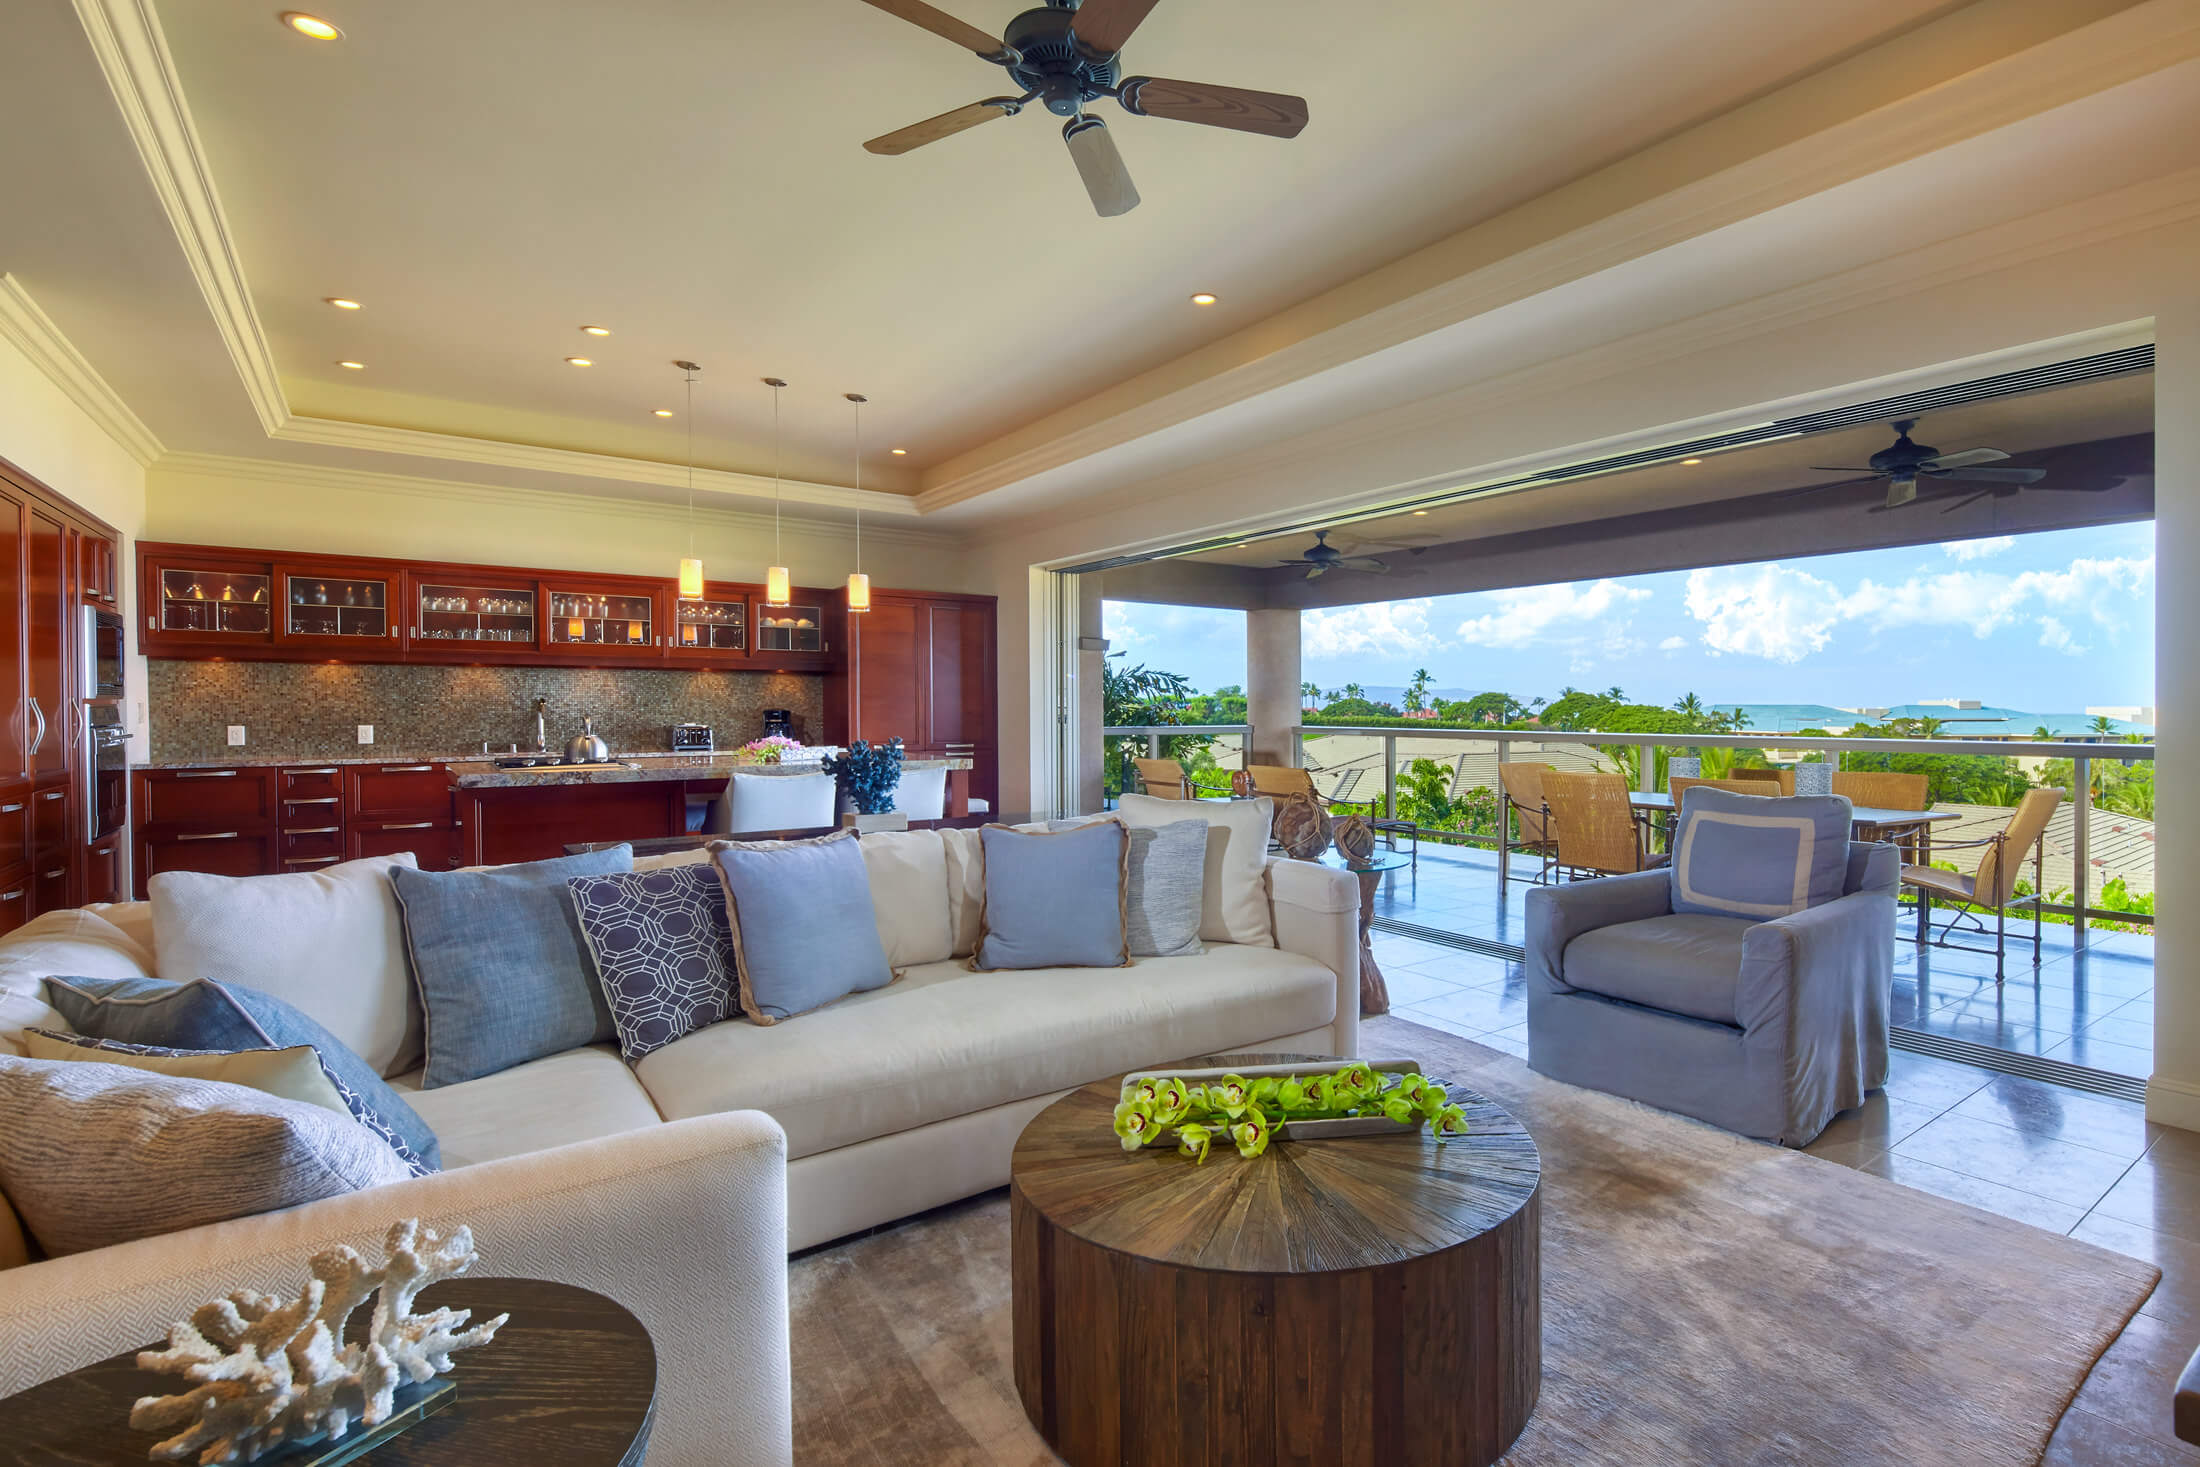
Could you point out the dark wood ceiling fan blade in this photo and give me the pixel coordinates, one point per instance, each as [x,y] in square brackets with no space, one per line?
[1104,25]
[943,25]
[1272,114]
[932,129]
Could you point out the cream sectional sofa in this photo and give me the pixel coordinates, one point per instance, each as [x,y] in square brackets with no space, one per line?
[678,1185]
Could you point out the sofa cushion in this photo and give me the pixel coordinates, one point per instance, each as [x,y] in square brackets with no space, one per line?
[1737,855]
[1055,899]
[498,960]
[908,870]
[1234,895]
[965,854]
[327,942]
[662,946]
[74,942]
[95,1154]
[580,1095]
[805,931]
[207,1015]
[946,1041]
[1685,963]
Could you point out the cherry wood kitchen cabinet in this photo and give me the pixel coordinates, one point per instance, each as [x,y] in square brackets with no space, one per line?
[205,604]
[334,607]
[263,820]
[923,667]
[806,635]
[591,617]
[103,870]
[96,569]
[713,627]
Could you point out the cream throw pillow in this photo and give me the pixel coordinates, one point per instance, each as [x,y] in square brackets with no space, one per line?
[1234,904]
[65,944]
[908,870]
[331,943]
[294,1073]
[965,887]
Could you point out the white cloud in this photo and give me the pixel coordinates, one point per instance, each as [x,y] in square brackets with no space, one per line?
[1385,628]
[1977,549]
[1672,644]
[1765,611]
[1556,613]
[2056,637]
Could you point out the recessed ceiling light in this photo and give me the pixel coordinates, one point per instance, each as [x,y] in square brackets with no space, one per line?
[663,412]
[1691,460]
[580,361]
[1420,512]
[1204,298]
[340,303]
[311,25]
[900,452]
[597,330]
[355,366]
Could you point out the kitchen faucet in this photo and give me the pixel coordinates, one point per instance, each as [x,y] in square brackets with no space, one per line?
[542,734]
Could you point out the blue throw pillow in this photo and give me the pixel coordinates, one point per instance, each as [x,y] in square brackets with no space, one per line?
[205,1014]
[661,942]
[804,930]
[1756,857]
[502,970]
[1054,899]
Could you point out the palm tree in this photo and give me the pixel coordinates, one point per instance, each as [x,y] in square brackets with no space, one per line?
[2102,724]
[1354,690]
[1737,720]
[1688,705]
[1310,692]
[1568,691]
[1616,694]
[2043,733]
[1929,728]
[1417,690]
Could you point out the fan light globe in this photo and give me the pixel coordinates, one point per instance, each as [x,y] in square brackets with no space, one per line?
[691,579]
[778,589]
[859,591]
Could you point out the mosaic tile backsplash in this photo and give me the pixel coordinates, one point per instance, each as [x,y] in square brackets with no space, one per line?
[313,710]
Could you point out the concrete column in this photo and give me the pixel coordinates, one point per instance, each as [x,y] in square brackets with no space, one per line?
[1272,680]
[2173,1094]
[1090,713]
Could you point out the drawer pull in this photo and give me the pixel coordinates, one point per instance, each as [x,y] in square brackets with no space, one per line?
[206,774]
[330,770]
[52,794]
[57,871]
[408,769]
[412,825]
[323,800]
[317,830]
[9,809]
[309,860]
[12,896]
[218,835]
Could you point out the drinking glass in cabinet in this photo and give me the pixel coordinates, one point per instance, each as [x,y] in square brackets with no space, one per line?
[336,606]
[793,629]
[476,614]
[214,601]
[714,625]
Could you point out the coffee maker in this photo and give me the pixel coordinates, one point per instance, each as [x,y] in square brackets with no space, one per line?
[779,721]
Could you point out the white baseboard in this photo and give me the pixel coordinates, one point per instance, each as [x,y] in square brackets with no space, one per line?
[2173,1103]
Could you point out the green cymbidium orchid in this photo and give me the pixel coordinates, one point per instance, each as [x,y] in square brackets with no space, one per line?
[1230,1095]
[1251,1135]
[1359,1081]
[1411,1087]
[1291,1097]
[1400,1109]
[1134,1123]
[1450,1121]
[1172,1102]
[1264,1093]
[1146,1090]
[1193,1140]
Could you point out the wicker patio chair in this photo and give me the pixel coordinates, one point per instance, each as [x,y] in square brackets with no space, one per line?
[1994,884]
[1882,790]
[1284,781]
[1595,824]
[1784,778]
[1522,784]
[1164,779]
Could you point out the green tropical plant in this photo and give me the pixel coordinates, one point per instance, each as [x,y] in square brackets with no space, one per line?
[2102,724]
[1134,696]
[2043,733]
[1417,690]
[1247,1112]
[1354,691]
[1688,705]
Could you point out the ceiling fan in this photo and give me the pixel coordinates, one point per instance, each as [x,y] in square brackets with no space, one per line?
[1903,462]
[1321,558]
[1065,55]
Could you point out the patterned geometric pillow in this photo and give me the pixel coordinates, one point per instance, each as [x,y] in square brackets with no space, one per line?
[664,947]
[258,1069]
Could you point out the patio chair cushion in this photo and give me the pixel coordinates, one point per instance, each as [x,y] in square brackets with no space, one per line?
[1751,856]
[1685,963]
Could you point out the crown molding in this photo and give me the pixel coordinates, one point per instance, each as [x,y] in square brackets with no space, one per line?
[126,37]
[226,468]
[2124,47]
[33,333]
[456,448]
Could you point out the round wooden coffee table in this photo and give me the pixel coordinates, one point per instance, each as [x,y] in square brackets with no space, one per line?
[1367,1300]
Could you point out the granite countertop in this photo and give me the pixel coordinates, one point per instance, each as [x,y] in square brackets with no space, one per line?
[478,774]
[392,756]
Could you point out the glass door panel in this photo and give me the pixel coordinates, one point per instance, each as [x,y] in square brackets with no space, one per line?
[453,612]
[790,628]
[217,603]
[335,607]
[590,619]
[711,625]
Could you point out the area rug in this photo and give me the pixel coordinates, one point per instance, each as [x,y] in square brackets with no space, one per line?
[1706,1300]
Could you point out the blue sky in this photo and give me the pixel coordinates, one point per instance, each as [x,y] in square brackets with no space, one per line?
[2051,622]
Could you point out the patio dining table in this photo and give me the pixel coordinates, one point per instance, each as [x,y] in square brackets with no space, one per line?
[1913,828]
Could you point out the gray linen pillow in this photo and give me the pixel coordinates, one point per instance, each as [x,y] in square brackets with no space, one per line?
[1055,899]
[1165,890]
[1758,857]
[95,1154]
[804,930]
[500,964]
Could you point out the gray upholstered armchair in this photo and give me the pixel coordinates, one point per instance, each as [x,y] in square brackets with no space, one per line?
[1767,1028]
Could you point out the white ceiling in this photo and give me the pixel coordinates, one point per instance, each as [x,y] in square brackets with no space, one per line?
[488,177]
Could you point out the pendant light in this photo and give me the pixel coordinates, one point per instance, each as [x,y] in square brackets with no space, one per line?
[691,568]
[778,586]
[859,584]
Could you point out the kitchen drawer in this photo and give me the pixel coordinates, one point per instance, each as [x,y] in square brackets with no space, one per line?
[50,884]
[218,852]
[206,797]
[103,871]
[15,828]
[399,791]
[312,810]
[49,822]
[309,782]
[434,843]
[15,899]
[313,845]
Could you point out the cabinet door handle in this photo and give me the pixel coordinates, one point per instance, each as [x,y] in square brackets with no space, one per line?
[57,871]
[309,860]
[412,825]
[9,809]
[218,835]
[323,800]
[12,896]
[330,770]
[38,713]
[52,794]
[408,768]
[316,830]
[206,774]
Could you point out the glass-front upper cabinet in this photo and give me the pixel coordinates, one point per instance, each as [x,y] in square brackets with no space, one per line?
[600,620]
[796,629]
[329,605]
[455,611]
[207,603]
[713,626]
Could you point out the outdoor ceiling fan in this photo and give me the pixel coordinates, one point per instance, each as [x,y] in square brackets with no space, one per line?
[1904,462]
[1066,55]
[1321,558]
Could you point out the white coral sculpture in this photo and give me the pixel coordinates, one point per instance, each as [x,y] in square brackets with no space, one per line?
[266,1374]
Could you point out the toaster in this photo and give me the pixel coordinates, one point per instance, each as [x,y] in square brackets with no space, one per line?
[691,738]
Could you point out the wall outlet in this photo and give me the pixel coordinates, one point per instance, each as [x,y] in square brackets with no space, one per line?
[236,736]
[366,733]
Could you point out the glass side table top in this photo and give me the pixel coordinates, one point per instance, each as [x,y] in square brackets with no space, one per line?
[1379,861]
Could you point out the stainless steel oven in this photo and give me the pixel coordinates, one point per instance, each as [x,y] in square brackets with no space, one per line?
[103,654]
[107,803]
